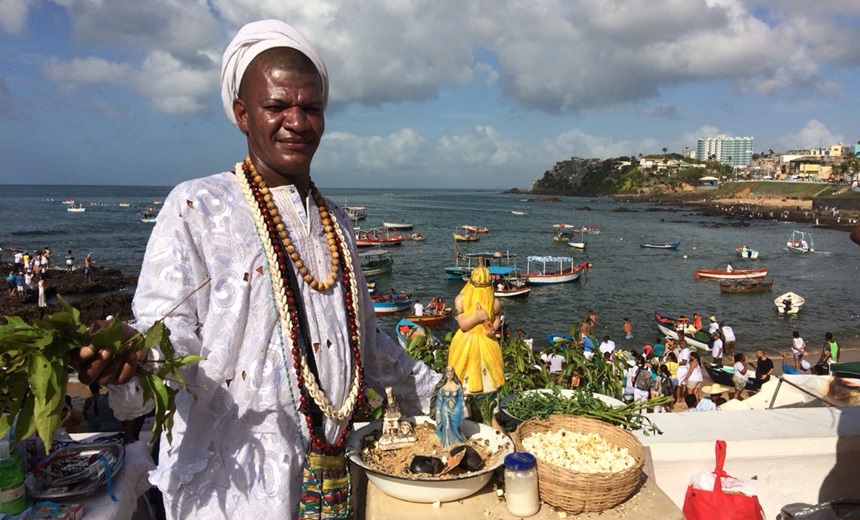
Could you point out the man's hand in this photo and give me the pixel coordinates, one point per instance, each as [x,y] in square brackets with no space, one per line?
[105,367]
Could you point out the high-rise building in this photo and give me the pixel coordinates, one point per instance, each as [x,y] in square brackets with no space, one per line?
[733,151]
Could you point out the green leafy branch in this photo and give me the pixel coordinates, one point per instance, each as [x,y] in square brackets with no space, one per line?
[36,360]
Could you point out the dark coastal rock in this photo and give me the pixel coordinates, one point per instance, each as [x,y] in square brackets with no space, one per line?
[726,224]
[107,294]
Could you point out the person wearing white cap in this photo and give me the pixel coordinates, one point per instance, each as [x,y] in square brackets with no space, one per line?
[288,334]
[713,325]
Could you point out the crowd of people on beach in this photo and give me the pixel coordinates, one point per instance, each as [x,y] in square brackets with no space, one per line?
[828,216]
[28,273]
[669,367]
[30,270]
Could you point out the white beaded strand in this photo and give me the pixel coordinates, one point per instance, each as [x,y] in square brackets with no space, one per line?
[314,391]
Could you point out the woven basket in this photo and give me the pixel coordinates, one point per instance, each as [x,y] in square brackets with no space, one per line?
[584,492]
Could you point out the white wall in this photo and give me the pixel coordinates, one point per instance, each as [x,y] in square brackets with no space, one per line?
[808,455]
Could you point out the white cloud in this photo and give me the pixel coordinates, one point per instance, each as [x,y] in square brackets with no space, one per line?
[576,143]
[482,147]
[86,70]
[351,160]
[13,15]
[813,134]
[703,131]
[548,55]
[173,87]
[183,28]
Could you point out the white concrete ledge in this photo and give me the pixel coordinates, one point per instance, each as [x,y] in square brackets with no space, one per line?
[808,455]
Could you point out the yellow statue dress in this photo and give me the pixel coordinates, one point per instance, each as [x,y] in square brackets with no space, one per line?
[475,353]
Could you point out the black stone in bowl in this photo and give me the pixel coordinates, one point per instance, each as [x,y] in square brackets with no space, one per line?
[471,461]
[425,464]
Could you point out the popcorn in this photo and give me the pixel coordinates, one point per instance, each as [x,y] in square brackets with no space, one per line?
[585,453]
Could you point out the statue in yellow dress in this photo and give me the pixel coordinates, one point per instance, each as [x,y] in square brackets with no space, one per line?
[475,353]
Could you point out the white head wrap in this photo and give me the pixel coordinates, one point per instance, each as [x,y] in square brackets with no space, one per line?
[250,42]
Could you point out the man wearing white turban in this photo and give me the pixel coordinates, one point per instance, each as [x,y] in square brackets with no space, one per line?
[288,334]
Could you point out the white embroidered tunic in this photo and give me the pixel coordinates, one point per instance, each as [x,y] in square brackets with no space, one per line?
[239,448]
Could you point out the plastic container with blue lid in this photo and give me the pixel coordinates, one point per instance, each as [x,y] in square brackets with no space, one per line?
[521,484]
[520,461]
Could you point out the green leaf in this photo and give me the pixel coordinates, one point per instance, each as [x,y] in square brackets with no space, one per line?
[187,360]
[26,422]
[158,336]
[108,338]
[5,424]
[154,389]
[47,380]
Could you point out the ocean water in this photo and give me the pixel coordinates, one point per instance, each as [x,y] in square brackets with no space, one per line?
[626,280]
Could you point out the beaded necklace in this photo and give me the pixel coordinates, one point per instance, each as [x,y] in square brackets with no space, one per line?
[278,247]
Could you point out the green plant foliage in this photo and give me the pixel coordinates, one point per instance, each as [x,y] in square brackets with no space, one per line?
[35,365]
[429,350]
[523,368]
[583,403]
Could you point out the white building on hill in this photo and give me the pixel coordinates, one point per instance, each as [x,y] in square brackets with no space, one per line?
[732,151]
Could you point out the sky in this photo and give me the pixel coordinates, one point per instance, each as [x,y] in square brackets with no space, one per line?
[473,94]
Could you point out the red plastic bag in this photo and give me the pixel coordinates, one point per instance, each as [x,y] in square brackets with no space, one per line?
[701,504]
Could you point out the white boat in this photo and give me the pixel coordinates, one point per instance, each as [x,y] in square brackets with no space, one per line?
[747,252]
[789,303]
[519,212]
[667,324]
[562,232]
[512,287]
[800,242]
[543,270]
[76,208]
[578,243]
[376,261]
[469,234]
[398,226]
[356,213]
[476,229]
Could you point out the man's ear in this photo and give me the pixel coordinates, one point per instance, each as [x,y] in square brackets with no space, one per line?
[241,115]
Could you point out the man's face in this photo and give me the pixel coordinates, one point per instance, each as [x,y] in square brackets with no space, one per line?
[281,112]
[760,354]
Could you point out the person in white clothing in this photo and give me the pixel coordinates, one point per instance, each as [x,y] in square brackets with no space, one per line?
[418,308]
[713,325]
[798,348]
[607,345]
[741,375]
[272,270]
[629,375]
[728,337]
[642,380]
[694,376]
[716,349]
[554,361]
[683,367]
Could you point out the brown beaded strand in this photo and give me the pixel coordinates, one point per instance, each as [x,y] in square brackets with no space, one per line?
[284,235]
[280,240]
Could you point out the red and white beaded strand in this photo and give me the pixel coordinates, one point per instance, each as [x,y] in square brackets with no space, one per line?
[271,232]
